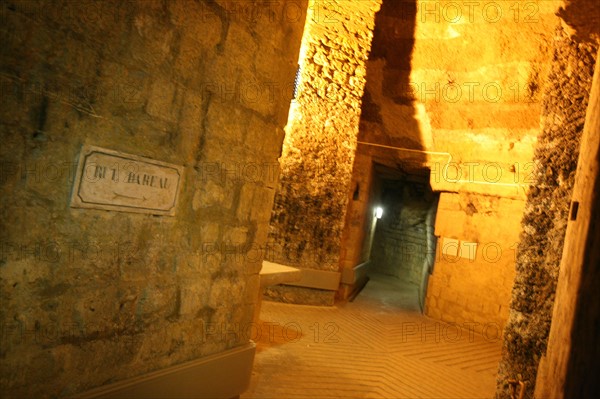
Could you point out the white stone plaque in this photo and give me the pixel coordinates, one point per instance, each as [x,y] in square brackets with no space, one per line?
[115,181]
[468,250]
[450,247]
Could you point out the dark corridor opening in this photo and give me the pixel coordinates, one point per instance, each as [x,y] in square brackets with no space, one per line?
[404,244]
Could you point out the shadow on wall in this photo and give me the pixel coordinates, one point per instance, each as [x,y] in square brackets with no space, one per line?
[389,111]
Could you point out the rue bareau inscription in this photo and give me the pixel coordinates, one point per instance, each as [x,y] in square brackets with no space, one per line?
[115,181]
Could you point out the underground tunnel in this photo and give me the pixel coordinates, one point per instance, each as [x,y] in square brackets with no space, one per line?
[299,198]
[404,243]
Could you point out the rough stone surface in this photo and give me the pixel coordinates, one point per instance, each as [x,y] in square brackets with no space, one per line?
[89,296]
[474,290]
[385,108]
[321,137]
[318,153]
[360,222]
[299,295]
[570,367]
[431,87]
[546,212]
[454,90]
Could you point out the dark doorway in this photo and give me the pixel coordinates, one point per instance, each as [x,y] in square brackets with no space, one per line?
[403,249]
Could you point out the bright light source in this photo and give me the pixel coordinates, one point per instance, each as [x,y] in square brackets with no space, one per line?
[378,212]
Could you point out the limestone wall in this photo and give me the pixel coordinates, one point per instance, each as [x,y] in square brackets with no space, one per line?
[474,268]
[358,230]
[455,88]
[569,367]
[318,153]
[91,296]
[546,212]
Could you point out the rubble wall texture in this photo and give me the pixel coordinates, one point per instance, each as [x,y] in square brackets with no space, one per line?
[545,219]
[90,296]
[318,153]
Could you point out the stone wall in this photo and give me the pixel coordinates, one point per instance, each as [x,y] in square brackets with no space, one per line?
[545,218]
[90,296]
[454,89]
[430,87]
[359,229]
[386,106]
[570,366]
[318,153]
[474,268]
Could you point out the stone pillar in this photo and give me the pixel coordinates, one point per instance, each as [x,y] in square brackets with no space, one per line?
[318,152]
[90,296]
[573,349]
[546,212]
